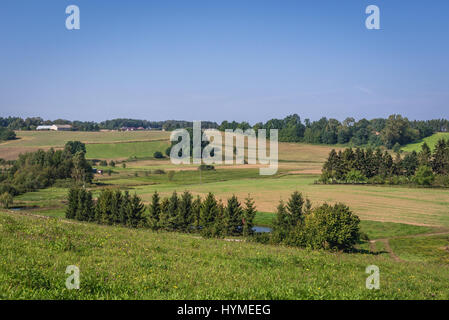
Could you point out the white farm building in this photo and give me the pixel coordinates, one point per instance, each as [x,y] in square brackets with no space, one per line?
[55,127]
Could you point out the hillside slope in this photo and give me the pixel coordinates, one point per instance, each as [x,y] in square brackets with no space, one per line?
[139,264]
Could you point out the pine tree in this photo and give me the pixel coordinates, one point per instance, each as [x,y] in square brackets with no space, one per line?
[425,155]
[218,228]
[209,212]
[295,209]
[125,208]
[136,216]
[116,203]
[440,163]
[280,223]
[173,212]
[185,211]
[73,203]
[196,212]
[410,163]
[103,212]
[81,210]
[90,207]
[164,217]
[387,165]
[233,216]
[155,211]
[397,165]
[249,213]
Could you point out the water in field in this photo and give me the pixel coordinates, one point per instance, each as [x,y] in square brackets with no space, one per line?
[261,229]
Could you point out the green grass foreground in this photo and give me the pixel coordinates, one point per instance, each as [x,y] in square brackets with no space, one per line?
[121,263]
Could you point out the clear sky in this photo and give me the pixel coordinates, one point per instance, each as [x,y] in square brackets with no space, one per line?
[244,60]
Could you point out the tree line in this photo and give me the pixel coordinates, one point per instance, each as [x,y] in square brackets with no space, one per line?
[376,132]
[395,130]
[111,207]
[182,213]
[41,169]
[368,166]
[296,223]
[31,123]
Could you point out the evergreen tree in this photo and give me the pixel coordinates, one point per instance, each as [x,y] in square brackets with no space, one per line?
[209,212]
[233,216]
[397,165]
[295,209]
[425,155]
[136,216]
[155,211]
[440,162]
[410,163]
[249,213]
[196,212]
[72,207]
[103,212]
[281,224]
[218,228]
[173,212]
[81,212]
[185,211]
[164,217]
[116,204]
[125,208]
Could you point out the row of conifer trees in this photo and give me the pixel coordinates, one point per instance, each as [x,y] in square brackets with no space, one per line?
[360,165]
[177,213]
[296,222]
[209,216]
[111,207]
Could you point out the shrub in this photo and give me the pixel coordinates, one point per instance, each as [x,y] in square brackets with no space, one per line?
[6,200]
[377,180]
[355,176]
[159,171]
[441,180]
[397,148]
[424,176]
[158,155]
[7,134]
[206,167]
[332,227]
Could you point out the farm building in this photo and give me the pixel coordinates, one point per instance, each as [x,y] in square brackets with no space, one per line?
[55,127]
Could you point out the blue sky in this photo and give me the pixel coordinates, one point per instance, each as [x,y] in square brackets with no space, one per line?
[245,60]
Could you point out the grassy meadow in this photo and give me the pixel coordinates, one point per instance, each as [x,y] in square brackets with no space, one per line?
[408,230]
[431,142]
[121,263]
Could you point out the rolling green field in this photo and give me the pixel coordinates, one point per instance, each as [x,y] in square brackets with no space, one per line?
[29,141]
[121,263]
[125,150]
[408,230]
[431,142]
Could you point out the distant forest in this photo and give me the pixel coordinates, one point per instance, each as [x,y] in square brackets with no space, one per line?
[396,130]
